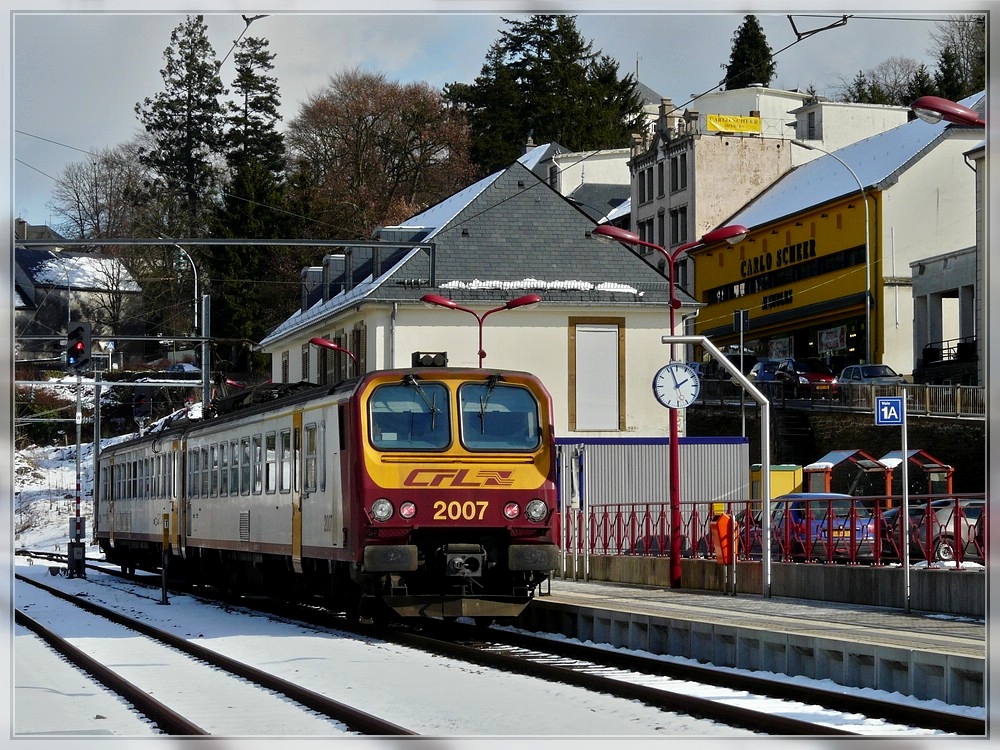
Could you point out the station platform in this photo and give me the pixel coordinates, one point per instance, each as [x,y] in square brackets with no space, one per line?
[926,656]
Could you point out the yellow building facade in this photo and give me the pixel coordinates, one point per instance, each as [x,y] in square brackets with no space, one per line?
[802,281]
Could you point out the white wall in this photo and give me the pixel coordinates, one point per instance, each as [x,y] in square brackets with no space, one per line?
[537,340]
[930,211]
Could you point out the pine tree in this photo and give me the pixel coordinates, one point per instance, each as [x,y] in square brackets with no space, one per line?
[251,206]
[542,80]
[920,84]
[948,77]
[751,60]
[185,124]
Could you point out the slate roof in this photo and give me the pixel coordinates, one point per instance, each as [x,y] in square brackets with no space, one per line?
[507,233]
[600,200]
[878,161]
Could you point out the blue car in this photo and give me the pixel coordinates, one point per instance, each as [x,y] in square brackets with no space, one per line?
[826,526]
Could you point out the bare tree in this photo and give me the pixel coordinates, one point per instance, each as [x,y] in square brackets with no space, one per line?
[886,83]
[367,151]
[97,198]
[965,36]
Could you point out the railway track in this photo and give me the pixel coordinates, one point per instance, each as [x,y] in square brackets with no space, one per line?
[592,660]
[657,682]
[170,721]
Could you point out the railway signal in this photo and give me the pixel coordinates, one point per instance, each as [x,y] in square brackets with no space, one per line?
[78,346]
[142,403]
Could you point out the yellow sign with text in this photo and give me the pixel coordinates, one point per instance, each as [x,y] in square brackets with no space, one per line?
[732,124]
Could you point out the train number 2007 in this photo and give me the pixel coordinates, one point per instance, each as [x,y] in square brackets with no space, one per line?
[455,510]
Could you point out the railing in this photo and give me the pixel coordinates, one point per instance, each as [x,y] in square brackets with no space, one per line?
[922,399]
[945,531]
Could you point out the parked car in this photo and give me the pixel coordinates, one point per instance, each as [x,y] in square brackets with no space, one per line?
[806,378]
[933,528]
[659,545]
[763,371]
[183,367]
[700,368]
[822,526]
[868,374]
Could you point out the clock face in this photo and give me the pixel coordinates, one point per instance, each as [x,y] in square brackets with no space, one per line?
[676,385]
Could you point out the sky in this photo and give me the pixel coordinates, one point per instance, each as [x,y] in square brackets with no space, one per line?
[78,68]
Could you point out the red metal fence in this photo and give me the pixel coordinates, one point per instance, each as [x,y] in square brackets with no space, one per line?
[946,531]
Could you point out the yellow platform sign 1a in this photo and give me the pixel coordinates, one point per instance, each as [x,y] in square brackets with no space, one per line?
[732,124]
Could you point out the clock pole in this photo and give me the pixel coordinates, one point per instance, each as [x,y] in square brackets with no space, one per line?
[732,233]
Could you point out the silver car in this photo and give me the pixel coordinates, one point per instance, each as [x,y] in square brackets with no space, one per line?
[867,374]
[856,382]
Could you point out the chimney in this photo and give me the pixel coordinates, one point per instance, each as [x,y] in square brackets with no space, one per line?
[312,279]
[333,270]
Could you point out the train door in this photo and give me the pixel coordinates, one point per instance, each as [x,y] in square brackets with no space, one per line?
[178,498]
[295,482]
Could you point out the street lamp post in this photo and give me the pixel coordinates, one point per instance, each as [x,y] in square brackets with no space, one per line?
[933,109]
[868,261]
[436,300]
[327,344]
[732,233]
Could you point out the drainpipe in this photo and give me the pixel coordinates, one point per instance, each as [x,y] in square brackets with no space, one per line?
[392,335]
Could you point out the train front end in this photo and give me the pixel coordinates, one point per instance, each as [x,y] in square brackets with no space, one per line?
[458,513]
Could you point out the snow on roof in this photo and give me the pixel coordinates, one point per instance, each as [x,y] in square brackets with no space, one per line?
[534,156]
[537,284]
[623,209]
[874,160]
[435,217]
[83,271]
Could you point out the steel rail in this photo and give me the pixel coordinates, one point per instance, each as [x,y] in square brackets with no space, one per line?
[164,717]
[358,720]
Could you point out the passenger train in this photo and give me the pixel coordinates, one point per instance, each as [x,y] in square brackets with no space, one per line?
[424,492]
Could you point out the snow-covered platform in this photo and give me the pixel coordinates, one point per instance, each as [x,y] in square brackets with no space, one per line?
[925,656]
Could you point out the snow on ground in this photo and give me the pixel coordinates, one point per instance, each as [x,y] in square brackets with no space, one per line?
[45,481]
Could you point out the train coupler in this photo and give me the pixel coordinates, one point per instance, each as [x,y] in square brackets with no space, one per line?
[464,560]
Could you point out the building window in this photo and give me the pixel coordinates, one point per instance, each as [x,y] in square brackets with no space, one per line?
[678,225]
[659,179]
[305,361]
[284,367]
[678,172]
[597,371]
[812,128]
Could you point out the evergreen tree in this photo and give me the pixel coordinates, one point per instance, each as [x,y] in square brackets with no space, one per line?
[751,60]
[948,77]
[920,84]
[542,80]
[251,206]
[185,122]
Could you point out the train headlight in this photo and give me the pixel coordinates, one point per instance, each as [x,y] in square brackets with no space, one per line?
[381,509]
[407,510]
[511,510]
[536,510]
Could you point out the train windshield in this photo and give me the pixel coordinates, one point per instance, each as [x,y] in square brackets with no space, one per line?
[410,416]
[498,417]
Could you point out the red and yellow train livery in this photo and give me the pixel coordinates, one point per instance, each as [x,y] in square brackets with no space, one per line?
[428,491]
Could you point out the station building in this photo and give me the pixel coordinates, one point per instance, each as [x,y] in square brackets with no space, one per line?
[825,269]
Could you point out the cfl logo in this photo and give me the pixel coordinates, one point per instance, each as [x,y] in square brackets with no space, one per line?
[458,478]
